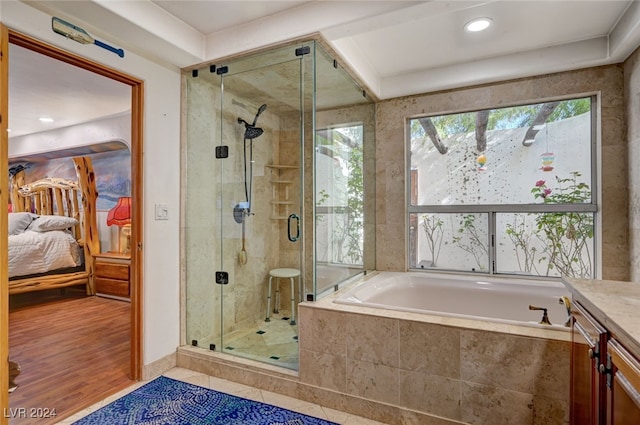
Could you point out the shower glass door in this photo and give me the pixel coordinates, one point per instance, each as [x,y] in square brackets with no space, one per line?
[261,202]
[260,209]
[344,173]
[278,174]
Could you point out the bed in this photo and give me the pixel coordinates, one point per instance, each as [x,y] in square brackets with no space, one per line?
[52,242]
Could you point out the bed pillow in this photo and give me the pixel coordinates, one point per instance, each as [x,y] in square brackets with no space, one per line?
[46,223]
[18,222]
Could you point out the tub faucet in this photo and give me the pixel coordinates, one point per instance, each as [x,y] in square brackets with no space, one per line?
[545,316]
[564,300]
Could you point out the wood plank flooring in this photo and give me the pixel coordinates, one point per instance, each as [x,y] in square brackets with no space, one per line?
[73,350]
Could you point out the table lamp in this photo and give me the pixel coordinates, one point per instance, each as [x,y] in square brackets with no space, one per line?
[120,215]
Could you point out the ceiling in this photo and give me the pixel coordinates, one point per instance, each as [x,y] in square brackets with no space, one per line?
[396,48]
[44,88]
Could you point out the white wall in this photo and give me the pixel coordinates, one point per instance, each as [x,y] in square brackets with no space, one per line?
[161,179]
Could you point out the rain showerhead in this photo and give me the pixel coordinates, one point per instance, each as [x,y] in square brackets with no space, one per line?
[251,131]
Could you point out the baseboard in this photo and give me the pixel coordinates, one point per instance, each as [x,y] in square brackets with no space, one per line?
[158,367]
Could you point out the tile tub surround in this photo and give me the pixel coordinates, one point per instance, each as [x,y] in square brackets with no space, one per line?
[408,368]
[461,370]
[287,383]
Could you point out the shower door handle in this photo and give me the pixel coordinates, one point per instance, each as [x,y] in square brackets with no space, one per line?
[297,235]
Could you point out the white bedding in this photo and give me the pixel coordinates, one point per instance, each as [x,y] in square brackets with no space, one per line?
[38,252]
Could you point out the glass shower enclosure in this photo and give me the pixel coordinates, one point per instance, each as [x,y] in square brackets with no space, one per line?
[277,147]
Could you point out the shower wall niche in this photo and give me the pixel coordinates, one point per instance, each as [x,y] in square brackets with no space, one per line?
[278,172]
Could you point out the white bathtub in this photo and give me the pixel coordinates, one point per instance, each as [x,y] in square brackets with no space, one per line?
[470,297]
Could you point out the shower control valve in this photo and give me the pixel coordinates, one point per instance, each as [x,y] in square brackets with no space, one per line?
[222,151]
[222,278]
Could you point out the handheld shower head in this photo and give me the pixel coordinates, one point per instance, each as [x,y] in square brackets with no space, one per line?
[260,111]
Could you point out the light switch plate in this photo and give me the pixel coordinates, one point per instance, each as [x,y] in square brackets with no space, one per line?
[162,212]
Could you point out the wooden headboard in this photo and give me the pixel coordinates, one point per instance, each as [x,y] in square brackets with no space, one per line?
[49,196]
[57,196]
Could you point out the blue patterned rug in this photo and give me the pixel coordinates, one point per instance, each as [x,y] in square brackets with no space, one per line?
[169,402]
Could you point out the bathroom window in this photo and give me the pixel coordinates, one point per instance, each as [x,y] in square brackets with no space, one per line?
[507,190]
[340,195]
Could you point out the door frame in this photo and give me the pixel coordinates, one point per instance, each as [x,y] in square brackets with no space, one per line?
[7,37]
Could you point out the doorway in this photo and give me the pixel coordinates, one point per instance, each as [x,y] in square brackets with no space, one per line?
[136,108]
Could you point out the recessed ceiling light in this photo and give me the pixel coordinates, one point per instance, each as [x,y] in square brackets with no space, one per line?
[45,119]
[478,24]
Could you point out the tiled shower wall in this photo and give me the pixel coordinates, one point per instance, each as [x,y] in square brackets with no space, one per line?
[632,102]
[606,81]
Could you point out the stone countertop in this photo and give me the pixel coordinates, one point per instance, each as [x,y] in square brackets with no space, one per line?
[615,304]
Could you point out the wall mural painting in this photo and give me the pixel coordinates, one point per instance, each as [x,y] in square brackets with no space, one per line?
[112,169]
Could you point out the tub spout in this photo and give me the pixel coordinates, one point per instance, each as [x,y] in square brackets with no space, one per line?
[564,300]
[545,316]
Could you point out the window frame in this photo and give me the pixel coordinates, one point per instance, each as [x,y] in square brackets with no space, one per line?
[492,210]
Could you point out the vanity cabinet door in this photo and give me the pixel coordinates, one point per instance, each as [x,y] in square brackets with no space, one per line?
[588,344]
[623,398]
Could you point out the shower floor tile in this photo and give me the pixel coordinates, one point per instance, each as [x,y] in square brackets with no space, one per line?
[274,342]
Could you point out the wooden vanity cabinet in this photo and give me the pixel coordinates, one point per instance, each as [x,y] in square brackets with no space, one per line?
[605,376]
[623,383]
[588,384]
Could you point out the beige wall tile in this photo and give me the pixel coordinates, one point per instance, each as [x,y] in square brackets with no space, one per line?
[635,253]
[324,370]
[550,411]
[306,317]
[373,381]
[408,417]
[429,348]
[485,405]
[373,339]
[430,393]
[553,378]
[323,330]
[615,210]
[500,360]
[632,115]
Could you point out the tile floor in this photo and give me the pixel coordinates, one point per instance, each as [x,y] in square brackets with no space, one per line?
[239,390]
[274,342]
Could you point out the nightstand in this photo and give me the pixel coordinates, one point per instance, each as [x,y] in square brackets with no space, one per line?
[112,275]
